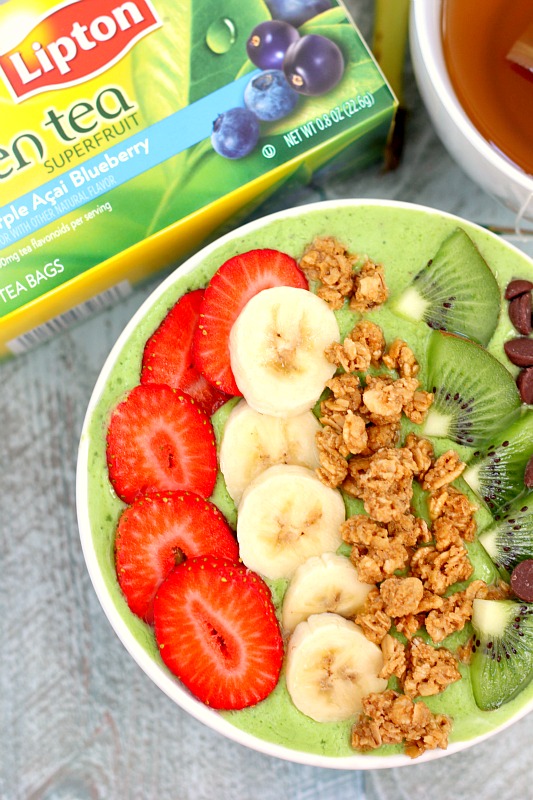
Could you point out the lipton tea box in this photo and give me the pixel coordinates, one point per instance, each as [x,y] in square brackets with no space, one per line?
[131,130]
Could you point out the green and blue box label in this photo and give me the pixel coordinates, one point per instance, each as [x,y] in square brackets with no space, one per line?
[117,131]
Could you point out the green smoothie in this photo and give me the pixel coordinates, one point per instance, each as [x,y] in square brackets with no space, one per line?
[403,239]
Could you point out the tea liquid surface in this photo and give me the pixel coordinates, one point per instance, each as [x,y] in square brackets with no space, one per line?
[496,94]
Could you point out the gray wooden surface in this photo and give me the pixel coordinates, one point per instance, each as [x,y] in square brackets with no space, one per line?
[78,718]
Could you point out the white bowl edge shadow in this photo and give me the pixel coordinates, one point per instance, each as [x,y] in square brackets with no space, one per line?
[159,674]
[481,162]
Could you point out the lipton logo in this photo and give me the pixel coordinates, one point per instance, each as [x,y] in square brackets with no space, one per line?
[74,42]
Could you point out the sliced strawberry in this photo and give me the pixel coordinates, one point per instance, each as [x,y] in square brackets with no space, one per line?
[159,440]
[157,532]
[167,356]
[230,288]
[217,631]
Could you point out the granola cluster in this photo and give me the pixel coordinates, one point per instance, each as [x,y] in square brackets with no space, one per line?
[364,419]
[392,718]
[343,276]
[413,563]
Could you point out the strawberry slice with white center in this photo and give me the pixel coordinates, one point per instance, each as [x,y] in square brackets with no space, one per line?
[159,440]
[230,288]
[167,356]
[159,531]
[216,628]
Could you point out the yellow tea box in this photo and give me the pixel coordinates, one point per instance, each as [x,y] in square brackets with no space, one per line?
[131,130]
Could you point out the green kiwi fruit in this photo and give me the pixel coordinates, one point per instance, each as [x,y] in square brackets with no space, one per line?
[473,391]
[456,291]
[509,539]
[502,657]
[497,473]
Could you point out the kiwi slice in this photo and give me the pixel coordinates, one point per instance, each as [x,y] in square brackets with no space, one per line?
[473,391]
[497,473]
[456,291]
[502,659]
[510,539]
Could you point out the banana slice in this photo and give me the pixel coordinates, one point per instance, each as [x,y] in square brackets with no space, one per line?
[285,516]
[331,666]
[323,583]
[277,348]
[252,442]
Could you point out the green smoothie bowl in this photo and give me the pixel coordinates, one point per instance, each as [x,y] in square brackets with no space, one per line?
[305,485]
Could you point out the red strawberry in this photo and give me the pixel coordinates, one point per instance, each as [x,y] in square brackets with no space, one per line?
[157,532]
[168,358]
[217,631]
[230,288]
[159,440]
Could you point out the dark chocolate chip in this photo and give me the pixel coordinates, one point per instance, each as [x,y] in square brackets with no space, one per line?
[520,352]
[520,313]
[522,580]
[517,287]
[525,385]
[528,474]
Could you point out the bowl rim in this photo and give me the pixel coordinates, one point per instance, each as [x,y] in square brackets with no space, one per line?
[159,674]
[425,26]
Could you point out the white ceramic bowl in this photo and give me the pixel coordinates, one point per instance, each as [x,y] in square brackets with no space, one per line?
[386,231]
[468,147]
